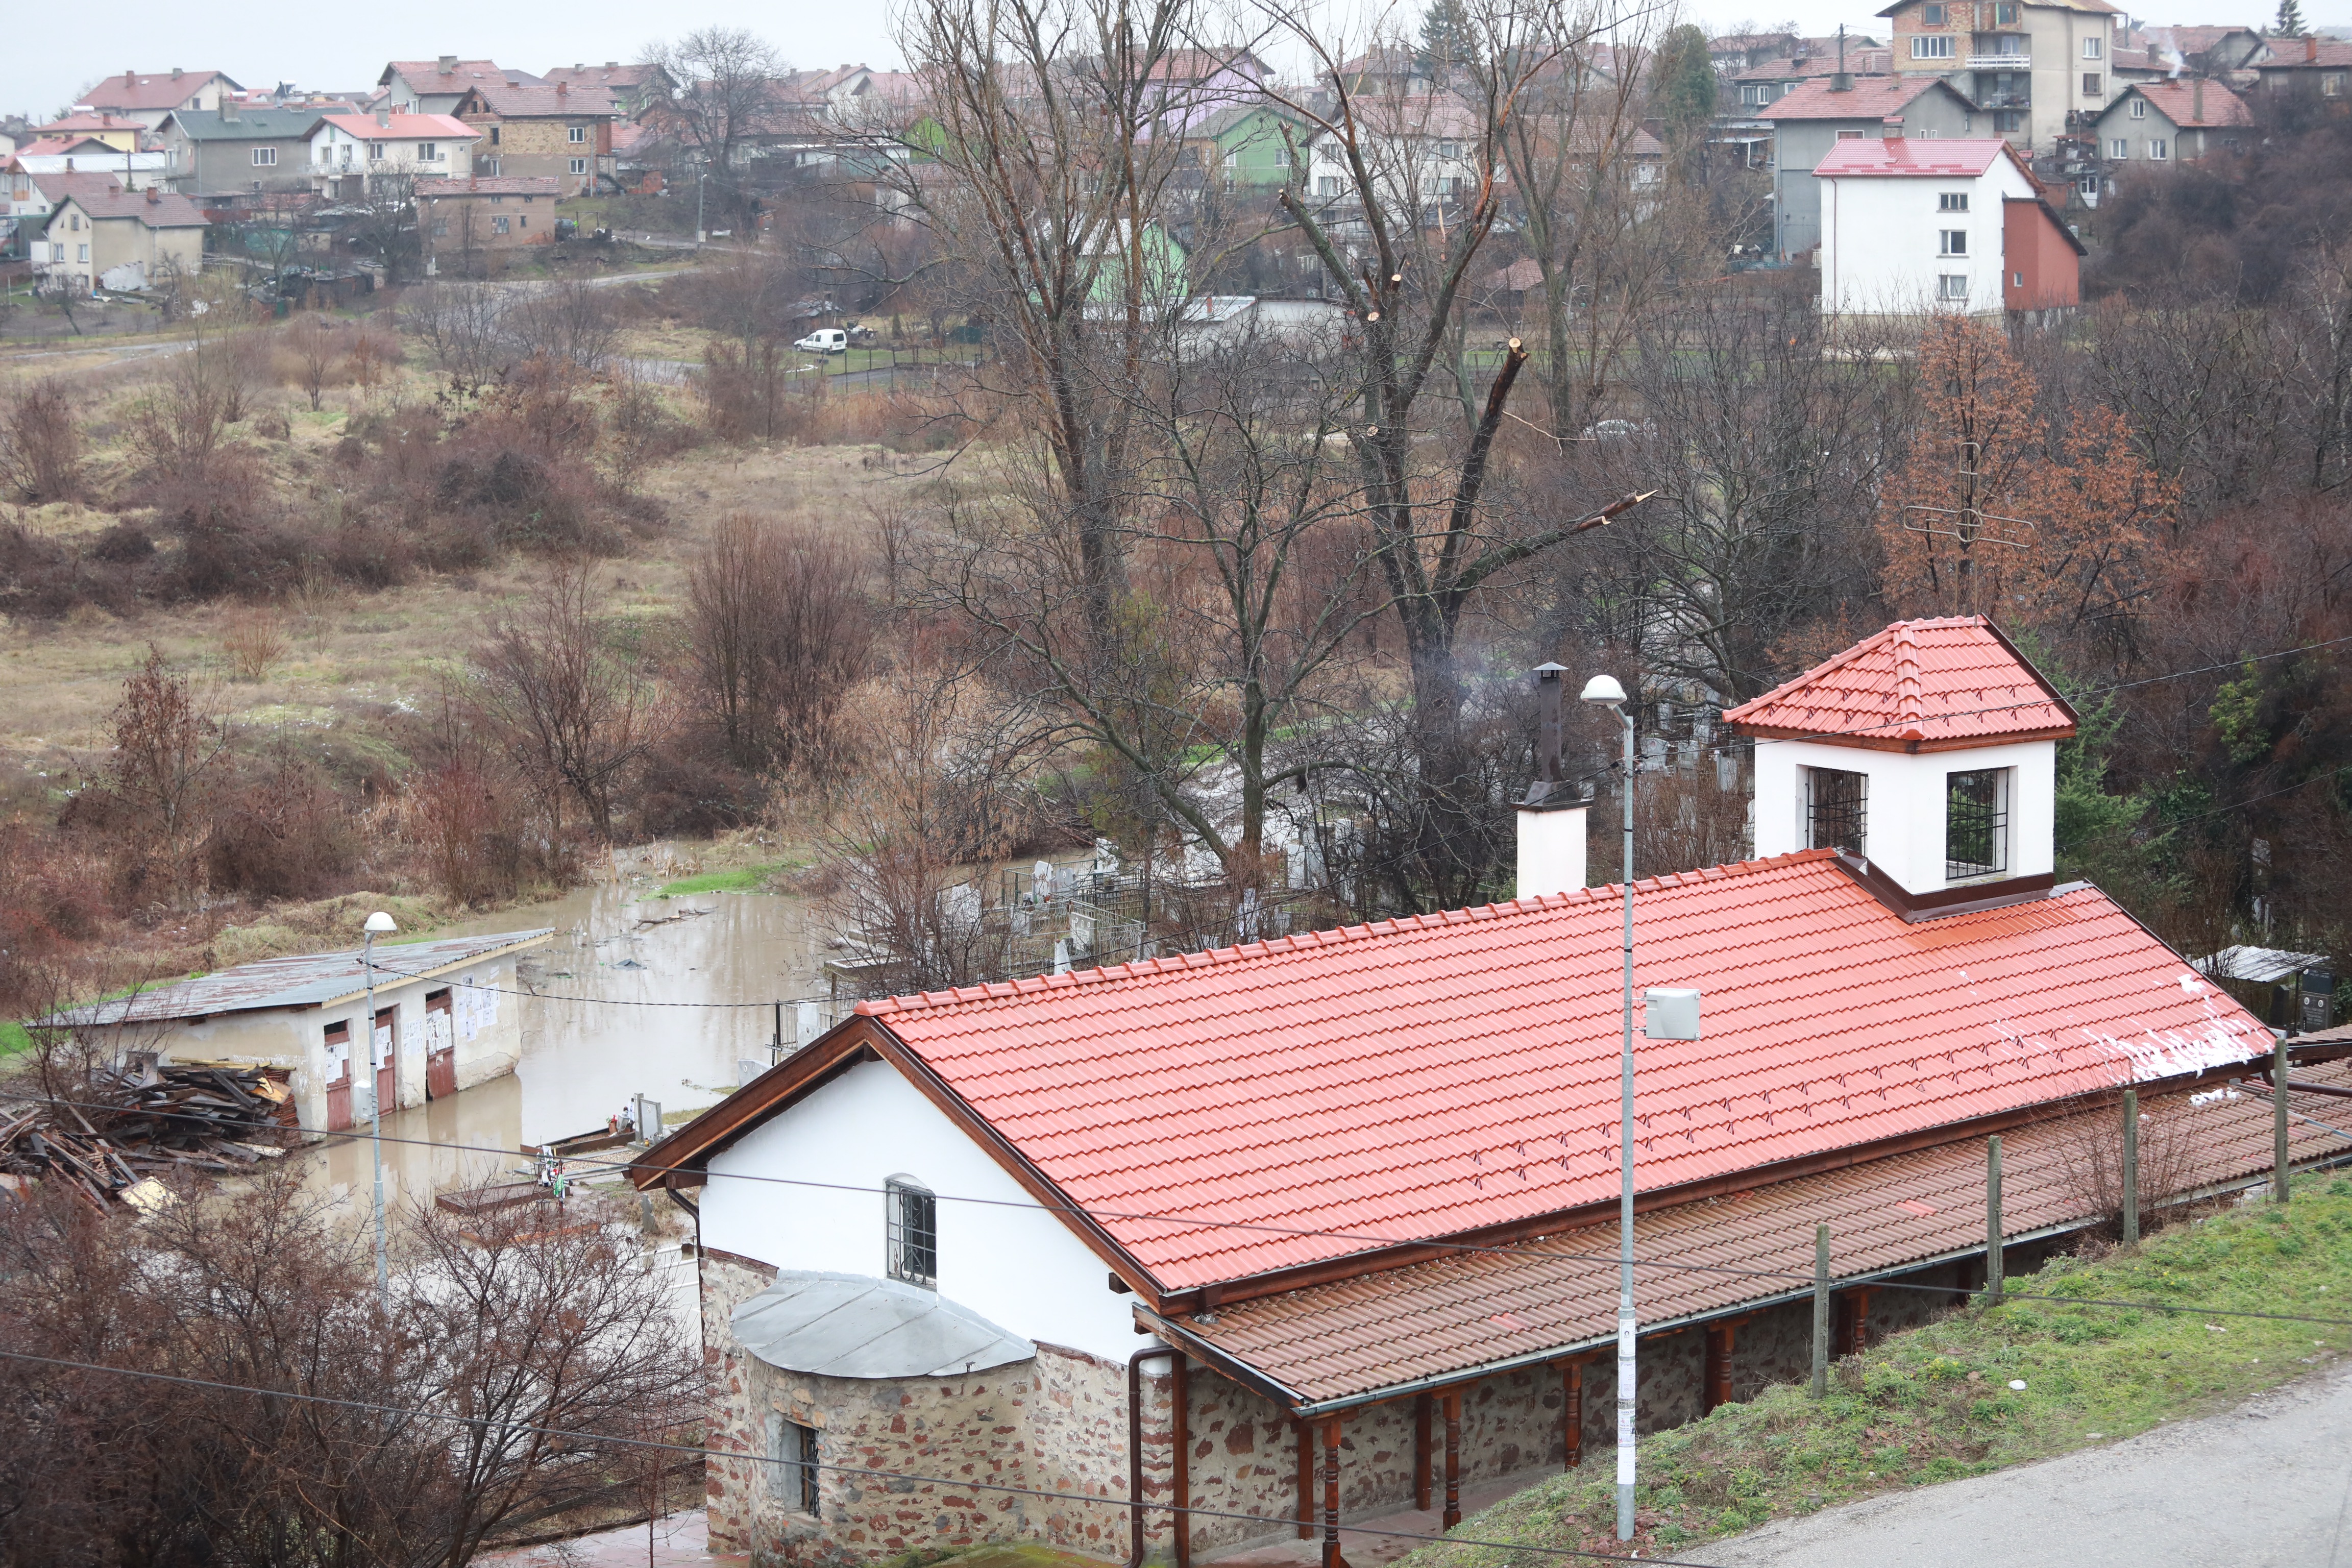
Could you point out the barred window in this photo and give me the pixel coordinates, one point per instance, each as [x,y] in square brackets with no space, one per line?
[793,1468]
[1976,823]
[1836,804]
[914,1233]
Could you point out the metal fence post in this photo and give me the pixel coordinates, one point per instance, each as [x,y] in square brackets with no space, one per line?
[2131,1167]
[1821,1310]
[2278,1124]
[1993,1219]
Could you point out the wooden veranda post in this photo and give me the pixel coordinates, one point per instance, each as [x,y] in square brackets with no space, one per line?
[1179,1425]
[1332,1558]
[1421,1450]
[1452,1515]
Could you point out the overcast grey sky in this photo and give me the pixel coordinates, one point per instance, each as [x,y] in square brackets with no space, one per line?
[54,51]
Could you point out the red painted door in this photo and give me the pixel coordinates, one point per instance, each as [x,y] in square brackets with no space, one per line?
[339,1077]
[440,1047]
[387,1053]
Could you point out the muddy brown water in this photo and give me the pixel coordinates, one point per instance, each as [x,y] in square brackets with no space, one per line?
[623,1009]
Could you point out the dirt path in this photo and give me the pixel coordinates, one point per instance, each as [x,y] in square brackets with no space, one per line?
[2268,1485]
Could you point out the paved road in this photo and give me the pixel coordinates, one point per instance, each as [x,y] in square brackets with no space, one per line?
[2269,1484]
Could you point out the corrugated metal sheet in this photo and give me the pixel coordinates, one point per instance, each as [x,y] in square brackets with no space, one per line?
[1426,1077]
[1949,679]
[1377,1332]
[303,980]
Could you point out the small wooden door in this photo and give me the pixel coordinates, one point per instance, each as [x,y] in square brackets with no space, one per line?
[440,1047]
[339,1077]
[387,1052]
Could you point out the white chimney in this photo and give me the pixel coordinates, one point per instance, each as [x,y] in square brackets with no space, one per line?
[1551,818]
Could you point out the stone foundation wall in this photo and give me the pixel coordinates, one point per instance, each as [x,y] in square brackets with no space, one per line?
[1055,1426]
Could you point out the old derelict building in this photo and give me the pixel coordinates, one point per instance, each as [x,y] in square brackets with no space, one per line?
[1356,1190]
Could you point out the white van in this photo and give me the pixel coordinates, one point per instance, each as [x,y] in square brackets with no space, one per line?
[825,341]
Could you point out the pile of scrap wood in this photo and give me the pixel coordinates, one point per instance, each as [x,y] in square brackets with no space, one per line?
[113,1138]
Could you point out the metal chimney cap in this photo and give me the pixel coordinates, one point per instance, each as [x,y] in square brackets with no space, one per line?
[1602,689]
[1547,671]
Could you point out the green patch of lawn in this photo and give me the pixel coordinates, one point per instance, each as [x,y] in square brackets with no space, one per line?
[14,1038]
[1936,1403]
[742,879]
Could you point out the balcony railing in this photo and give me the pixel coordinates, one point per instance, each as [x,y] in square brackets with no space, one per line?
[2001,62]
[2004,100]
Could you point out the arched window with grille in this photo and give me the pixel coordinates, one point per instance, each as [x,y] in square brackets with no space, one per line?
[913,1233]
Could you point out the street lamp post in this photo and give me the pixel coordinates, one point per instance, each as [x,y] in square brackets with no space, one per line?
[702,235]
[1604,692]
[377,923]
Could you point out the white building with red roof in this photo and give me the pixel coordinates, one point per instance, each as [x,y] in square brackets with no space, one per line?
[1357,1189]
[1910,226]
[351,153]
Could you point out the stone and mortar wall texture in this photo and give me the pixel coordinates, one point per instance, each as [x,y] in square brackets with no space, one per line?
[1056,1424]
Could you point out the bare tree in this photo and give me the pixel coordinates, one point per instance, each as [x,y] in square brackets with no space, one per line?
[726,90]
[777,631]
[318,348]
[576,713]
[168,742]
[459,325]
[41,444]
[567,321]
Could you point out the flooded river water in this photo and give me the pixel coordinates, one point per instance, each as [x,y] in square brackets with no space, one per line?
[623,1008]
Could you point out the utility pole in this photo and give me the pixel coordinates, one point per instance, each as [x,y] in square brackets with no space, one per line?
[378,921]
[1604,691]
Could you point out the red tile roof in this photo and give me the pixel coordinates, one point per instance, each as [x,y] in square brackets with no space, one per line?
[495,185]
[87,122]
[1871,98]
[402,127]
[1942,158]
[1356,1338]
[2179,102]
[157,90]
[1954,680]
[1426,1077]
[153,208]
[535,100]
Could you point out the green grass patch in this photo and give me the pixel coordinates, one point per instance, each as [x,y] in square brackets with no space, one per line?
[14,1038]
[742,879]
[1935,1403]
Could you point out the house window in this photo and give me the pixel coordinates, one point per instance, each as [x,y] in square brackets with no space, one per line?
[375,151]
[1976,823]
[1282,157]
[2091,80]
[2005,14]
[84,253]
[440,228]
[2009,121]
[73,221]
[793,1466]
[2118,147]
[2093,49]
[1951,201]
[1931,16]
[1952,285]
[1952,242]
[2159,150]
[1937,49]
[2017,280]
[427,152]
[498,224]
[1835,808]
[2139,109]
[576,133]
[263,157]
[1849,136]
[491,167]
[494,135]
[579,165]
[912,1234]
[2332,85]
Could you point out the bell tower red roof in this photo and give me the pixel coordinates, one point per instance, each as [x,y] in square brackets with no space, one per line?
[1928,685]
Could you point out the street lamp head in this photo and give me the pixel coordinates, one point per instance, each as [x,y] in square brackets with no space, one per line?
[379,924]
[1603,689]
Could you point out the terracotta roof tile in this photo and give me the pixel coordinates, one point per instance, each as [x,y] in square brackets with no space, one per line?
[1359,1337]
[1941,158]
[1956,679]
[1431,1075]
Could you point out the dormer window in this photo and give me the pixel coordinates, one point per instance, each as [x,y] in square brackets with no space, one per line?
[912,1232]
[1836,804]
[1976,824]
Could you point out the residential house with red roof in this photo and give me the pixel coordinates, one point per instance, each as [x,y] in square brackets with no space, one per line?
[436,86]
[122,239]
[1309,1228]
[1909,226]
[632,88]
[2172,121]
[2038,67]
[546,132]
[148,95]
[355,153]
[1810,121]
[2318,67]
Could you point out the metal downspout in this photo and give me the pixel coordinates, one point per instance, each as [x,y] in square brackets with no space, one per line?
[1135,1446]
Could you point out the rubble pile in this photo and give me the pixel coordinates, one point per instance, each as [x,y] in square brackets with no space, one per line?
[128,1128]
